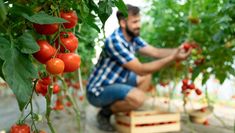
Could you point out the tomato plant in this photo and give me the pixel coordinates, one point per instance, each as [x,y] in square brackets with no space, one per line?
[190,21]
[30,29]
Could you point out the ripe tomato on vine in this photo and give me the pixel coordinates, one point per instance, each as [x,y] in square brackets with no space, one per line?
[71,17]
[46,51]
[17,128]
[46,29]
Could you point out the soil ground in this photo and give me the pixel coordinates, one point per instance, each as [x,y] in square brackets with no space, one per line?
[65,122]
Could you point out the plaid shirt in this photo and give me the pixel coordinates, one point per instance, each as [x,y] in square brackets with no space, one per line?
[109,70]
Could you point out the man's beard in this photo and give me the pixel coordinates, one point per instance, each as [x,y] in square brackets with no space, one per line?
[131,33]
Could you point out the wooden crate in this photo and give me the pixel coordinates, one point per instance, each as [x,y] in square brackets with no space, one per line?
[147,122]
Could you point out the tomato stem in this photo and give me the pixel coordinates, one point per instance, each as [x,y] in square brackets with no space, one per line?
[48,110]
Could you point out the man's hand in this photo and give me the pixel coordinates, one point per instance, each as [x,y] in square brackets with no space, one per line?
[180,53]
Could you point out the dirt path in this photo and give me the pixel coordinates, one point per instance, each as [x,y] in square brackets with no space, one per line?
[64,122]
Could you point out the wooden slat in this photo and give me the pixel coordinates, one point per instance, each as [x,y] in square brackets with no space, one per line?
[157,129]
[125,119]
[156,118]
[149,112]
[122,128]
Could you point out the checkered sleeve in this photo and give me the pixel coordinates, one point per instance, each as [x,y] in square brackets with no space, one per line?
[117,51]
[139,43]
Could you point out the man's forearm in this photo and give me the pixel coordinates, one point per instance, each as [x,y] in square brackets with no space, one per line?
[163,52]
[156,65]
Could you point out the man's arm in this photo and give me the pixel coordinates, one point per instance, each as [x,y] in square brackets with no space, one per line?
[147,68]
[156,52]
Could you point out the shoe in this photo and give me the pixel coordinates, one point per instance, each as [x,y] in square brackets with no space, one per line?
[103,120]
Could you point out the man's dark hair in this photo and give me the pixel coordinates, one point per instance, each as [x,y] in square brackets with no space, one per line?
[132,10]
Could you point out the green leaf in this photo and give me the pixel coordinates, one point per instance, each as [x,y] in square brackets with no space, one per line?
[5,48]
[27,43]
[1,74]
[20,10]
[93,6]
[221,76]
[90,20]
[205,78]
[121,6]
[43,18]
[196,72]
[105,10]
[19,71]
[84,11]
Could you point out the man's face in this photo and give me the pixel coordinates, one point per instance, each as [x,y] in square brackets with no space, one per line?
[132,25]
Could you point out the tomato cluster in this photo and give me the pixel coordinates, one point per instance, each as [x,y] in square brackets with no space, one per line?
[197,57]
[187,87]
[44,83]
[60,58]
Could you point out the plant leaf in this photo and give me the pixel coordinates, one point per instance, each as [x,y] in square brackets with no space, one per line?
[43,18]
[205,78]
[1,74]
[196,72]
[19,71]
[105,10]
[5,47]
[121,6]
[90,20]
[27,44]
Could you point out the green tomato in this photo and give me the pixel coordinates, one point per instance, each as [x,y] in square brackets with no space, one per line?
[194,52]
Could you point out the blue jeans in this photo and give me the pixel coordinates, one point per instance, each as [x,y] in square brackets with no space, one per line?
[113,92]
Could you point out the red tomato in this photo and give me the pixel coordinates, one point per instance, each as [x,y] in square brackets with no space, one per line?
[191,86]
[71,17]
[46,29]
[206,123]
[184,88]
[45,53]
[41,88]
[55,66]
[24,128]
[56,88]
[68,104]
[199,92]
[71,61]
[186,46]
[58,105]
[69,40]
[46,80]
[185,81]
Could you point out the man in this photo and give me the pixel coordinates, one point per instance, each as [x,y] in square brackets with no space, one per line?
[119,80]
